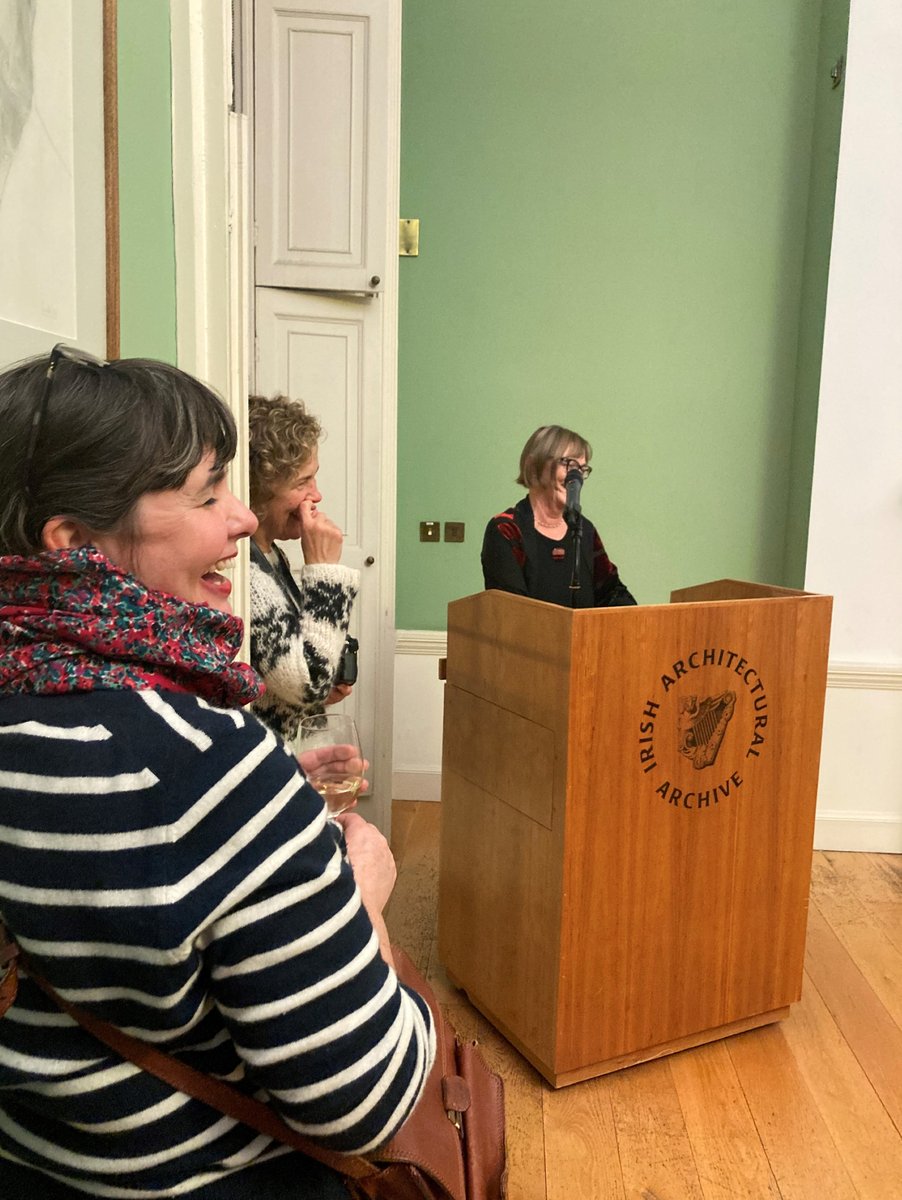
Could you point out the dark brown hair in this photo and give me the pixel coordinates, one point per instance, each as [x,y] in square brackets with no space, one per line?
[109,434]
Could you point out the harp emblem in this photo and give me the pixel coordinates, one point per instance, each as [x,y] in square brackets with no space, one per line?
[701,725]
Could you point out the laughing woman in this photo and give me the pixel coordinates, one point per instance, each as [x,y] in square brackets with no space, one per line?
[163,862]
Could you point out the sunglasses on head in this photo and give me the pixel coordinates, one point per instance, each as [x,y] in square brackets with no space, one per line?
[60,351]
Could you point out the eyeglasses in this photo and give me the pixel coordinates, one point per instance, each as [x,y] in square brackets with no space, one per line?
[570,464]
[72,355]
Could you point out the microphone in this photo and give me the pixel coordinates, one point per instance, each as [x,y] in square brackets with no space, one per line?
[573,485]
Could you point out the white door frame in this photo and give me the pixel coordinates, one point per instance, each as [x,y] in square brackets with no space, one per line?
[211,209]
[213,244]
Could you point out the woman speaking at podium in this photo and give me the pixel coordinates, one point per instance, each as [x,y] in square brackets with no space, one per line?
[543,547]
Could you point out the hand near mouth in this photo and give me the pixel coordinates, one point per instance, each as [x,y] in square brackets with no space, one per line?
[321,538]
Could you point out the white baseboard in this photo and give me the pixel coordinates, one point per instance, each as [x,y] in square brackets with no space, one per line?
[421,641]
[873,677]
[419,703]
[870,832]
[417,785]
[859,802]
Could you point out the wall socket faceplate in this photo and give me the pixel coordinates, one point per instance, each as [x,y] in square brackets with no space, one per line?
[454,531]
[430,531]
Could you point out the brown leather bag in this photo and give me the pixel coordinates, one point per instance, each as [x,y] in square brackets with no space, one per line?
[450,1148]
[9,978]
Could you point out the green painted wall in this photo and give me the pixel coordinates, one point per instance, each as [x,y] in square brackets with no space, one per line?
[614,220]
[147,281]
[821,194]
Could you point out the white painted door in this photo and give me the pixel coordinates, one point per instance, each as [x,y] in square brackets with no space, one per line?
[326,166]
[326,351]
[322,143]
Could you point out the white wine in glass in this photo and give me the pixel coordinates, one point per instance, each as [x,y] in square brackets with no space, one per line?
[339,776]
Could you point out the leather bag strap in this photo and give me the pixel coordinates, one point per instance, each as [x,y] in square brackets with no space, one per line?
[206,1088]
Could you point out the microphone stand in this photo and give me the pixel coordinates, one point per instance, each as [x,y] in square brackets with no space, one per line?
[575,521]
[573,515]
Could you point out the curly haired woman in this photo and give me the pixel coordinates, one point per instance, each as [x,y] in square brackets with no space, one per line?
[298,629]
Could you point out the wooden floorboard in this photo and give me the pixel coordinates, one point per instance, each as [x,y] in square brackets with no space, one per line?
[652,1139]
[863,925]
[722,1133]
[582,1153]
[861,1128]
[802,1155]
[872,1035]
[806,1109]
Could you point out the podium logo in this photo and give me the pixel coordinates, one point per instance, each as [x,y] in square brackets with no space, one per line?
[701,725]
[703,703]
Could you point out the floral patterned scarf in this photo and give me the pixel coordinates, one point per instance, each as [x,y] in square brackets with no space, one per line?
[71,621]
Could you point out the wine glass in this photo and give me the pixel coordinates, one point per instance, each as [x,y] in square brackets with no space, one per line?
[337,777]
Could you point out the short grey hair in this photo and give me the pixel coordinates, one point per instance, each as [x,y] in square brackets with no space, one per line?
[546,444]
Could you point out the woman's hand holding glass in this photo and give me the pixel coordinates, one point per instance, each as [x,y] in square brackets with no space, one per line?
[329,753]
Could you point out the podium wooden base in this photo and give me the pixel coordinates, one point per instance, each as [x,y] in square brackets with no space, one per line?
[628,803]
[593,1070]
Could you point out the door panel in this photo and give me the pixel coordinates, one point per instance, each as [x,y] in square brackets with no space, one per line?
[321,124]
[325,350]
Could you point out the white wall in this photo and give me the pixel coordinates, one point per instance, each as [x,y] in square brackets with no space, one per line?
[52,212]
[419,700]
[855,529]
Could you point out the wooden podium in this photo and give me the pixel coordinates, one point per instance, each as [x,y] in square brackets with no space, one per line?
[628,800]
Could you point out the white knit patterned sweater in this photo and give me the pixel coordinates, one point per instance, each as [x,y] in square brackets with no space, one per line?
[298,633]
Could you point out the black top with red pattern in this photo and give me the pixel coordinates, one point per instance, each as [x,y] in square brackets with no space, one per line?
[517,558]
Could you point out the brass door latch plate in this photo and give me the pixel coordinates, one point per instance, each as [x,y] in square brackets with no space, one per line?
[409,237]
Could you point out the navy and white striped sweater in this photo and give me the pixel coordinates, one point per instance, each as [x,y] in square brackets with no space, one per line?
[198,899]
